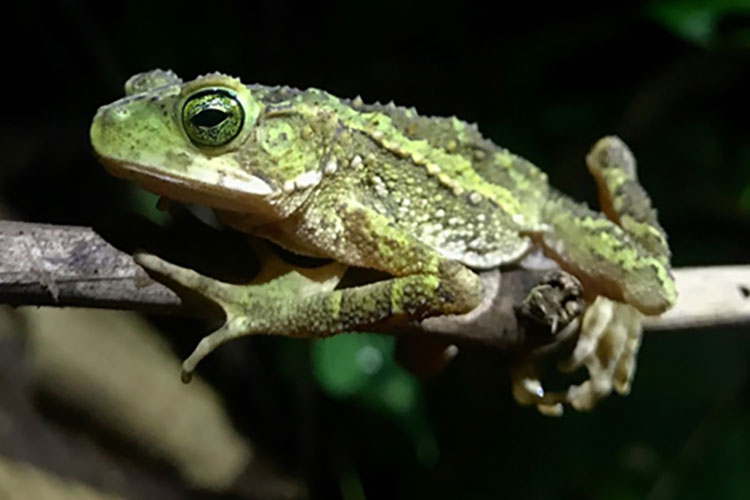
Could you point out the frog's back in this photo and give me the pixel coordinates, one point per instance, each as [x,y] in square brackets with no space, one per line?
[435,178]
[441,181]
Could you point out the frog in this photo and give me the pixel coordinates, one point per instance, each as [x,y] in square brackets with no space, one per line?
[427,201]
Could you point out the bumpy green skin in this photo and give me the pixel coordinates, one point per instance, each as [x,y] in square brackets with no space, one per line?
[627,261]
[422,198]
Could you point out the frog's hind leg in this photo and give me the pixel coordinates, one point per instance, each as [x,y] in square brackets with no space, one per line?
[622,260]
[301,306]
[623,256]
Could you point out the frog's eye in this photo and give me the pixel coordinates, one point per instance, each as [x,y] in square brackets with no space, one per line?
[212,117]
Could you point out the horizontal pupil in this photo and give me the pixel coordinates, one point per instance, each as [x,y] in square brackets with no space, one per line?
[208,118]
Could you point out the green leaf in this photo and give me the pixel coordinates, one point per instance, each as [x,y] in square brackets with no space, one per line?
[695,21]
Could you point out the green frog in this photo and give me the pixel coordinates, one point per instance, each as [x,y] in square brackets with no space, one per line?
[426,200]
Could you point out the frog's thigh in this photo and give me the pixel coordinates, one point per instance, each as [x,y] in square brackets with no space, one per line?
[365,238]
[624,257]
[605,257]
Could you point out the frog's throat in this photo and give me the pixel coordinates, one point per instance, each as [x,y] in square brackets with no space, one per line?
[251,195]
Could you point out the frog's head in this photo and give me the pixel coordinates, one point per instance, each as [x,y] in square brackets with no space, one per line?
[205,141]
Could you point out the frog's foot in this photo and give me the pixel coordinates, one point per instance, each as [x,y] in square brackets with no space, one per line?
[248,309]
[607,346]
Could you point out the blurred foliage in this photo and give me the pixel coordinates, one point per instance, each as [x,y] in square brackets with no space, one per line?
[361,368]
[669,76]
[145,203]
[698,21]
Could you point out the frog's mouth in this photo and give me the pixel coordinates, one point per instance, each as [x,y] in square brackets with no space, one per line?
[251,195]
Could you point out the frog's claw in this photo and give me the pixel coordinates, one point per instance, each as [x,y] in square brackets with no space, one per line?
[232,328]
[527,389]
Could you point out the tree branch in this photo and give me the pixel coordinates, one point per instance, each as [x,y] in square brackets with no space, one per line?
[49,265]
[73,266]
[709,296]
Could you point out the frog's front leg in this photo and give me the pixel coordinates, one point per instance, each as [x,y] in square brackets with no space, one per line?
[245,306]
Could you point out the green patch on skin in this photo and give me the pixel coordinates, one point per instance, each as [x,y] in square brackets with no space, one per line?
[504,158]
[277,137]
[397,298]
[605,254]
[335,305]
[179,160]
[454,171]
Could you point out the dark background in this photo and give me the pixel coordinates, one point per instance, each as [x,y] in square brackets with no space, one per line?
[672,78]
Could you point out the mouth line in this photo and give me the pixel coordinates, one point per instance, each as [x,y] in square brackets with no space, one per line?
[188,190]
[144,174]
[136,171]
